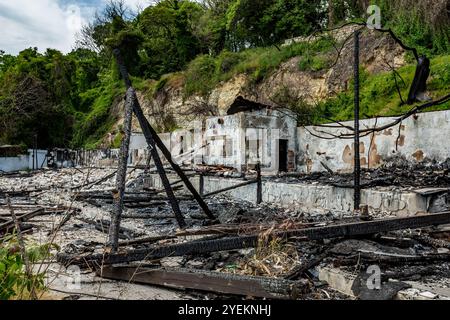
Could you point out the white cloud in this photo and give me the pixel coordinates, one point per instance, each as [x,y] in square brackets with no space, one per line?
[38,23]
[48,23]
[135,4]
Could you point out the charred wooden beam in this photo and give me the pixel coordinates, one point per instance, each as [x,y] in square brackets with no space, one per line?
[119,193]
[233,243]
[46,211]
[304,267]
[25,217]
[357,160]
[238,229]
[145,240]
[435,243]
[153,140]
[217,282]
[391,258]
[105,225]
[128,198]
[93,183]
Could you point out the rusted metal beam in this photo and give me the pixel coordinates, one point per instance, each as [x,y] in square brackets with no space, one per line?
[233,243]
[217,282]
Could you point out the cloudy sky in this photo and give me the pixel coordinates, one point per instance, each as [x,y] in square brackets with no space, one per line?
[47,23]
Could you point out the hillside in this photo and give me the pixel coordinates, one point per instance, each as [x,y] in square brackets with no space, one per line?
[309,76]
[191,59]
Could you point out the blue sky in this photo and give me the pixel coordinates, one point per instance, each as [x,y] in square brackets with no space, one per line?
[47,23]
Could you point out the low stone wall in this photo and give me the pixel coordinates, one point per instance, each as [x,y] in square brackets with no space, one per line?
[326,199]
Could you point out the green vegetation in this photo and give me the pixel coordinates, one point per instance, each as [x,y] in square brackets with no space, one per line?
[206,72]
[379,96]
[421,25]
[69,100]
[15,282]
[91,127]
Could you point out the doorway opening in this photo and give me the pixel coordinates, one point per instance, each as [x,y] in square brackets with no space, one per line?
[282,155]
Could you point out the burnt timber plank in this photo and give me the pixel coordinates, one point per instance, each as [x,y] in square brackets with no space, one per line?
[218,282]
[121,177]
[23,218]
[233,243]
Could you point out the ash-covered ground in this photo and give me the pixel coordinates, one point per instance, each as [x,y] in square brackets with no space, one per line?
[87,219]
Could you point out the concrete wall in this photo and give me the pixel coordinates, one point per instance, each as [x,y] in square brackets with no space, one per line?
[9,164]
[96,158]
[416,139]
[239,141]
[41,160]
[23,162]
[225,140]
[323,199]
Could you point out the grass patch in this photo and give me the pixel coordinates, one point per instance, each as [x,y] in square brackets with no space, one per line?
[205,72]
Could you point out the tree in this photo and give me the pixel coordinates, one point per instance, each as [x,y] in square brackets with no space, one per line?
[252,23]
[169,39]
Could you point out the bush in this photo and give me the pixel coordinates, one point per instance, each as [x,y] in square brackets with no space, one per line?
[226,61]
[379,96]
[200,75]
[15,282]
[422,24]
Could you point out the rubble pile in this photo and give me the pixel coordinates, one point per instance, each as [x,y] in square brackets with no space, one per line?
[258,250]
[392,174]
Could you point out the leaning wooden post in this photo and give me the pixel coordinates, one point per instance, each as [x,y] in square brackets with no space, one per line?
[258,183]
[119,192]
[150,134]
[152,139]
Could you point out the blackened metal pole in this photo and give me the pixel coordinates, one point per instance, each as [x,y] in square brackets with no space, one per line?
[258,184]
[36,150]
[201,188]
[151,133]
[150,139]
[119,193]
[357,164]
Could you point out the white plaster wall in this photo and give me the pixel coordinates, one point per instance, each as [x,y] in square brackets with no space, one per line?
[9,164]
[421,137]
[228,127]
[41,161]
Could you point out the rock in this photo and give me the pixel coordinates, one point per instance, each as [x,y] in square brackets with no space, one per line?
[428,295]
[172,262]
[196,264]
